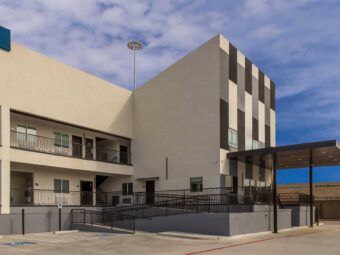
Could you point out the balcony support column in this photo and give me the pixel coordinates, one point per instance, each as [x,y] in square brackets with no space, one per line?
[5,172]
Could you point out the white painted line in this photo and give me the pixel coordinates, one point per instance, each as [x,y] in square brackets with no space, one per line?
[65,232]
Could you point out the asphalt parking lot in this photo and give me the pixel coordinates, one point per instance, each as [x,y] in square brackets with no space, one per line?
[320,240]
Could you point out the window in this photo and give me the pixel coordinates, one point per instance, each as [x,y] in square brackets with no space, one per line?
[232,138]
[61,186]
[228,181]
[257,145]
[27,135]
[196,184]
[61,140]
[127,188]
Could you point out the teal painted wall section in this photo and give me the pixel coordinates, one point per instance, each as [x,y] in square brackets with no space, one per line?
[5,39]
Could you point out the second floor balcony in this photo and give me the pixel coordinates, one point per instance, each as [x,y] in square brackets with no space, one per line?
[63,145]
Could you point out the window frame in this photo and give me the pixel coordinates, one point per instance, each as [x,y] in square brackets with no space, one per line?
[232,135]
[64,186]
[127,188]
[61,141]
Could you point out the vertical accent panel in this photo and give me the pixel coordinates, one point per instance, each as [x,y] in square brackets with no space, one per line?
[240,87]
[261,86]
[232,105]
[255,129]
[267,105]
[267,136]
[249,168]
[249,76]
[272,95]
[224,75]
[255,90]
[241,130]
[232,63]
[272,128]
[224,124]
[261,122]
[248,122]
[233,167]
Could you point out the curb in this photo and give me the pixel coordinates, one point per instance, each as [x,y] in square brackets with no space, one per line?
[65,232]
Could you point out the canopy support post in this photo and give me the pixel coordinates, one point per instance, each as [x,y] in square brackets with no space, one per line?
[311,199]
[274,164]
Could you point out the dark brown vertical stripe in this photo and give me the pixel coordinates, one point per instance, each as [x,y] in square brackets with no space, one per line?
[232,63]
[241,130]
[261,86]
[255,129]
[262,174]
[272,95]
[233,167]
[267,136]
[224,124]
[249,168]
[249,76]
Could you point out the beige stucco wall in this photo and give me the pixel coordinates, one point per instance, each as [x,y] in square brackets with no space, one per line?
[39,85]
[177,116]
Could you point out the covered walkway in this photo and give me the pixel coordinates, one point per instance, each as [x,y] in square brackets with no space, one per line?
[304,155]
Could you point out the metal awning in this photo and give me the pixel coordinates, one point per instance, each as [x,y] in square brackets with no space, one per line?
[324,153]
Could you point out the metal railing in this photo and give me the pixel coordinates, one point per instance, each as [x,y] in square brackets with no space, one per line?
[66,148]
[39,197]
[291,199]
[113,220]
[22,197]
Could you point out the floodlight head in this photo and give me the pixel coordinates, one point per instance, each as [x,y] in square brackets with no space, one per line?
[134,45]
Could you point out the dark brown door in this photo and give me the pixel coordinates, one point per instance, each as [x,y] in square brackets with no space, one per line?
[150,192]
[77,147]
[88,148]
[123,154]
[86,193]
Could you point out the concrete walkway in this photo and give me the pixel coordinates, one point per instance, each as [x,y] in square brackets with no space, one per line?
[321,240]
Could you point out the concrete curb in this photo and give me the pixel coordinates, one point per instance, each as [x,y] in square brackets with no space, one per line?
[65,232]
[192,236]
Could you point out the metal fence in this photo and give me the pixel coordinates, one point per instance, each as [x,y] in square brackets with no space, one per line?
[110,219]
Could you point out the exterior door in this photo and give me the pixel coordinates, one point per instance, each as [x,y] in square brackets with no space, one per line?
[150,192]
[77,147]
[123,156]
[88,148]
[86,193]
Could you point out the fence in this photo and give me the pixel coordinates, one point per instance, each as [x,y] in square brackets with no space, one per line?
[111,219]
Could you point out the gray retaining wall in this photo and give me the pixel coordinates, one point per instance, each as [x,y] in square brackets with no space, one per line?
[37,219]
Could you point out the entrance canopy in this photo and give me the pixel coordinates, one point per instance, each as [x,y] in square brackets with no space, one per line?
[324,153]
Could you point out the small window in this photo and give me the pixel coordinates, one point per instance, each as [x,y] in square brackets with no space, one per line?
[257,145]
[61,140]
[228,181]
[127,188]
[232,138]
[196,184]
[61,186]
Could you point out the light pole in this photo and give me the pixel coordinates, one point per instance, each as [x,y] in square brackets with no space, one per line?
[134,45]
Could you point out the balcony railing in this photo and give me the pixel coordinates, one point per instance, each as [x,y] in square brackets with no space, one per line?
[67,148]
[45,197]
